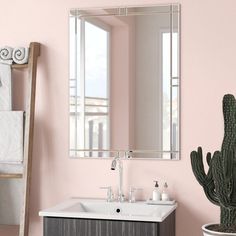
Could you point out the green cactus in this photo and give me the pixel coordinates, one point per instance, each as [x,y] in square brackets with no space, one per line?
[219,183]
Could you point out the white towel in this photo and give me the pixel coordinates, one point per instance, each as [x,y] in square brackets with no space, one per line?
[20,55]
[11,137]
[5,88]
[7,62]
[6,53]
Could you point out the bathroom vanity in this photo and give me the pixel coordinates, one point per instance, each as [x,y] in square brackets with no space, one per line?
[96,217]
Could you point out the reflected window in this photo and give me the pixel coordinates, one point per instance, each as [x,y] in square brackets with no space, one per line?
[89,86]
[170,93]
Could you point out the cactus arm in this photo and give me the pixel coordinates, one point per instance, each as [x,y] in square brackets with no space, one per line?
[205,180]
[208,158]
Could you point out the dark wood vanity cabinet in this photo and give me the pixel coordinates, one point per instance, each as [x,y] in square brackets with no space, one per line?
[55,226]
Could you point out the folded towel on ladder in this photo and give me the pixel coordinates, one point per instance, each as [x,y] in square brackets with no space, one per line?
[11,137]
[6,62]
[20,55]
[5,88]
[6,53]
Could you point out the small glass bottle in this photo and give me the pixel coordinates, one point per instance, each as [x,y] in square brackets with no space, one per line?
[165,195]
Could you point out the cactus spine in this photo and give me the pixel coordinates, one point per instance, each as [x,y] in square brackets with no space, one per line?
[219,182]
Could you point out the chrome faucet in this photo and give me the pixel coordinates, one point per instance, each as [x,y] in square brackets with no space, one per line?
[118,160]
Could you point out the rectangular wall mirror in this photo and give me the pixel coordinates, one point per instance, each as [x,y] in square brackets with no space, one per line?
[125,82]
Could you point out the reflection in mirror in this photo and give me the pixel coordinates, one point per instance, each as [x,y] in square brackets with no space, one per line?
[124,82]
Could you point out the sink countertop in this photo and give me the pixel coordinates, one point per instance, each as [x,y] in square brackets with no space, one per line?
[91,208]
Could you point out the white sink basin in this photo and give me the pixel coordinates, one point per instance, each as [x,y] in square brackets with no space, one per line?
[113,208]
[100,209]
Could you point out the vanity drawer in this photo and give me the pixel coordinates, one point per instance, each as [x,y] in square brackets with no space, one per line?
[54,226]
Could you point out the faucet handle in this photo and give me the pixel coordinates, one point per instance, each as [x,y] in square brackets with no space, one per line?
[109,193]
[132,191]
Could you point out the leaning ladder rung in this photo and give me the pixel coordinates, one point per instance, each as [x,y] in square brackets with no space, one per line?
[17,66]
[10,176]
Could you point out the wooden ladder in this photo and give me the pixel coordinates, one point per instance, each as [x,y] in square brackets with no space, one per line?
[34,53]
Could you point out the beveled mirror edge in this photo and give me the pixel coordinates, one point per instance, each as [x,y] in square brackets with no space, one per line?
[178,153]
[120,9]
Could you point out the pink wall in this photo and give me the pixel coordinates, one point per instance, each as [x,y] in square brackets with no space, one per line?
[208,72]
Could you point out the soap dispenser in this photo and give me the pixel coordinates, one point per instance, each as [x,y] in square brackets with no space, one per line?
[156,195]
[164,195]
